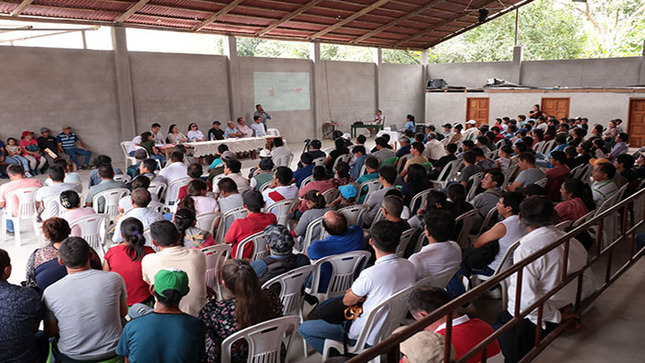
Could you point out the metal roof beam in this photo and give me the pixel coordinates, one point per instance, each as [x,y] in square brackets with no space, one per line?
[133,9]
[216,16]
[20,8]
[288,17]
[350,18]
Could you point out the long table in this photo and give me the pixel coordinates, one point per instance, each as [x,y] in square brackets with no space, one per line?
[237,145]
[365,126]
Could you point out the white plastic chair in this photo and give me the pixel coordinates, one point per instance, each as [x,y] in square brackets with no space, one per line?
[564,225]
[209,221]
[468,220]
[129,160]
[390,312]
[111,199]
[510,173]
[264,186]
[265,340]
[259,242]
[330,195]
[313,232]
[148,236]
[27,209]
[156,206]
[344,269]
[172,192]
[157,190]
[284,160]
[439,280]
[273,132]
[122,178]
[319,161]
[490,216]
[419,199]
[372,186]
[402,161]
[307,180]
[474,182]
[541,182]
[447,174]
[539,146]
[344,157]
[215,256]
[227,220]
[291,289]
[283,209]
[52,208]
[506,262]
[548,146]
[93,229]
[353,213]
[404,241]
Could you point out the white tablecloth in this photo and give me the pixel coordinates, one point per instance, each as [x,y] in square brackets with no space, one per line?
[203,148]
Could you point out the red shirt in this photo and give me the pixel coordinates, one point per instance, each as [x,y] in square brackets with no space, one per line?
[554,179]
[467,334]
[120,262]
[242,228]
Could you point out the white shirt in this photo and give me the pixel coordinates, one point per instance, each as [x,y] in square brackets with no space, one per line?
[545,273]
[274,195]
[514,231]
[280,151]
[389,275]
[174,171]
[145,215]
[436,258]
[158,138]
[434,150]
[194,135]
[54,190]
[132,147]
[241,182]
[205,205]
[230,202]
[258,128]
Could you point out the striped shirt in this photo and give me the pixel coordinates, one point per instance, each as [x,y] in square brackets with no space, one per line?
[67,141]
[601,190]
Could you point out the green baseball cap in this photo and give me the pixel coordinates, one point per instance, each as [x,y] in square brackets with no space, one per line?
[171,279]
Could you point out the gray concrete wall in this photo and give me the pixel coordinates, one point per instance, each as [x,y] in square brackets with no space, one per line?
[178,88]
[295,126]
[471,75]
[51,87]
[399,92]
[613,72]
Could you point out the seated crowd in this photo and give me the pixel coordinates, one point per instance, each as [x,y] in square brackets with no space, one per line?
[500,184]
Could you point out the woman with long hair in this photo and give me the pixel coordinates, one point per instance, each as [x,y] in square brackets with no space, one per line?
[175,136]
[197,200]
[576,200]
[316,207]
[249,305]
[341,149]
[125,259]
[193,236]
[457,195]
[416,181]
[43,268]
[71,201]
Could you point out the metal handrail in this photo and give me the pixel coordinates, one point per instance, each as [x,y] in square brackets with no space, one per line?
[390,345]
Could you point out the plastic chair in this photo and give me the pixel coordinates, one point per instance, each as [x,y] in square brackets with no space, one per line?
[330,195]
[372,186]
[319,161]
[468,220]
[541,182]
[345,157]
[291,289]
[157,190]
[439,280]
[548,146]
[564,225]
[353,214]
[156,206]
[129,160]
[404,242]
[215,256]
[538,146]
[122,178]
[265,340]
[284,160]
[27,209]
[344,269]
[259,242]
[389,162]
[490,216]
[507,261]
[172,191]
[510,173]
[422,238]
[474,182]
[111,199]
[264,187]
[93,230]
[447,174]
[402,161]
[273,132]
[283,209]
[227,220]
[209,221]
[312,233]
[306,181]
[52,208]
[419,200]
[390,312]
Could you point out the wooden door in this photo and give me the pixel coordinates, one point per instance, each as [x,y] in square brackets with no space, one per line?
[477,109]
[557,107]
[637,122]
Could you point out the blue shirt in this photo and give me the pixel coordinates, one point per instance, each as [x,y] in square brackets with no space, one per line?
[355,171]
[67,141]
[404,150]
[20,314]
[163,338]
[410,126]
[352,240]
[95,179]
[229,130]
[303,173]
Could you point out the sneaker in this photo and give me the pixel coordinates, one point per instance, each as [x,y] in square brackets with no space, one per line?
[28,174]
[85,167]
[10,233]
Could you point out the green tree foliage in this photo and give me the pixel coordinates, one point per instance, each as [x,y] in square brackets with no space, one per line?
[401,56]
[345,53]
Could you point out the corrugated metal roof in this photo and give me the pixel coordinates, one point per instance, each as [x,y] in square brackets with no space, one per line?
[402,24]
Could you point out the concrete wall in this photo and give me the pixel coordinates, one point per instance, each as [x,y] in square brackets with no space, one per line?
[599,107]
[471,75]
[51,87]
[180,89]
[399,92]
[614,72]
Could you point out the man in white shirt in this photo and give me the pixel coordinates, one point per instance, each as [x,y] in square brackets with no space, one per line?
[258,127]
[389,275]
[57,174]
[133,145]
[229,196]
[603,186]
[140,199]
[434,148]
[441,254]
[540,277]
[176,169]
[232,169]
[280,188]
[279,149]
[243,129]
[157,136]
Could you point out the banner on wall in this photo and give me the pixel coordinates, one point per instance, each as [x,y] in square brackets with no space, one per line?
[282,91]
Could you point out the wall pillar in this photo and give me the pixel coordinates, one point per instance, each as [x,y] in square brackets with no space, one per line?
[642,73]
[518,52]
[377,58]
[125,99]
[425,70]
[234,94]
[317,88]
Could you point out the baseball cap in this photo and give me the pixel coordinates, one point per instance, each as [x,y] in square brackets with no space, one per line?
[595,162]
[25,133]
[447,126]
[217,123]
[265,153]
[44,129]
[424,347]
[471,122]
[65,127]
[346,136]
[228,155]
[348,191]
[171,279]
[279,239]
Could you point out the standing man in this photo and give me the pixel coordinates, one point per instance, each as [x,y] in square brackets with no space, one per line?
[46,141]
[67,141]
[259,111]
[157,136]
